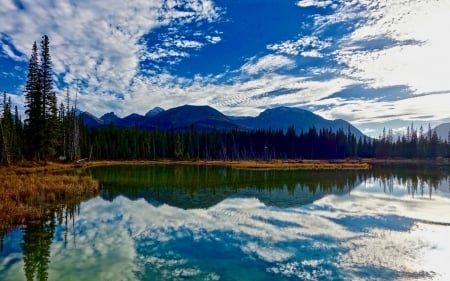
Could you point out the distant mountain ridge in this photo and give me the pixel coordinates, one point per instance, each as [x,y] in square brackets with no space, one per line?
[207,118]
[443,131]
[282,118]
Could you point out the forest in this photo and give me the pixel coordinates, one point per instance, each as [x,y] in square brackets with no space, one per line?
[52,132]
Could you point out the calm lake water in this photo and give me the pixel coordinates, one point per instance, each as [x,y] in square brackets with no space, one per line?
[211,223]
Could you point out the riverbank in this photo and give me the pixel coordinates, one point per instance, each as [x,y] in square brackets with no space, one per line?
[28,192]
[250,164]
[304,164]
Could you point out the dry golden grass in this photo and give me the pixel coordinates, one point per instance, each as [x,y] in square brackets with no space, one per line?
[26,193]
[346,164]
[300,165]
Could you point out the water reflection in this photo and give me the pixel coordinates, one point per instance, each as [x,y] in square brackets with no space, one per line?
[191,187]
[209,223]
[37,238]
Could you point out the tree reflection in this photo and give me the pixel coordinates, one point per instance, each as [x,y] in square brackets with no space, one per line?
[418,181]
[38,237]
[192,186]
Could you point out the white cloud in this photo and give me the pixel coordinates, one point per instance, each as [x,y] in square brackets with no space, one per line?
[268,63]
[314,3]
[98,42]
[10,53]
[305,46]
[190,44]
[213,39]
[426,108]
[312,54]
[416,51]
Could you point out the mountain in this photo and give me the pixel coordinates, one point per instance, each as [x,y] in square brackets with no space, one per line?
[153,112]
[90,120]
[186,116]
[109,118]
[443,130]
[281,118]
[207,118]
[131,120]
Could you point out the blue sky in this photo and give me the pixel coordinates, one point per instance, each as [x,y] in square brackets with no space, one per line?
[374,63]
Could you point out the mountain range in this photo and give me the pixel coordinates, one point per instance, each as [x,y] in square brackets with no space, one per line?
[207,118]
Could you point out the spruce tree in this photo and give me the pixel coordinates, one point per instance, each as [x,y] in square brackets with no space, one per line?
[42,124]
[6,130]
[50,108]
[34,123]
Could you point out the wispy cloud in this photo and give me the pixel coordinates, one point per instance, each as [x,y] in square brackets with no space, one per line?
[269,63]
[305,46]
[99,43]
[314,3]
[409,43]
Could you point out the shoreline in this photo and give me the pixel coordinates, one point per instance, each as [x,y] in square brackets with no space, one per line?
[28,168]
[28,193]
[276,164]
[244,164]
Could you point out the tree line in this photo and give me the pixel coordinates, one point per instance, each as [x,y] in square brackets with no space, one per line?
[111,142]
[50,132]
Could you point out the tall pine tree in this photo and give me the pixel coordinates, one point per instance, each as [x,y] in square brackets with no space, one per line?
[42,124]
[34,123]
[50,107]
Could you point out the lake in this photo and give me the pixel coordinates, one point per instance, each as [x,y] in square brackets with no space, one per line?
[168,222]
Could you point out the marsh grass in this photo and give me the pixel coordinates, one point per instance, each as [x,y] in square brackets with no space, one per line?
[301,165]
[346,164]
[26,194]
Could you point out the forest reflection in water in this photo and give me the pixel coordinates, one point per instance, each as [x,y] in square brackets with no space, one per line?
[37,237]
[188,187]
[193,187]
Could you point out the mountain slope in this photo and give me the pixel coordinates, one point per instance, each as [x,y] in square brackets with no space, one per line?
[443,130]
[207,118]
[281,118]
[90,120]
[186,116]
[109,118]
[132,120]
[153,112]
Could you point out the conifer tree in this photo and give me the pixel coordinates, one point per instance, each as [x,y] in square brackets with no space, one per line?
[42,125]
[50,108]
[6,130]
[34,123]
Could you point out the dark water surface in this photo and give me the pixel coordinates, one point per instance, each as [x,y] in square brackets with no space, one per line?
[211,223]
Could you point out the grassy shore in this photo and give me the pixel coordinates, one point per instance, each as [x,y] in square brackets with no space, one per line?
[27,192]
[252,164]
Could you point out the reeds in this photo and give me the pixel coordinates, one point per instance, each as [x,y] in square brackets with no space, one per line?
[26,197]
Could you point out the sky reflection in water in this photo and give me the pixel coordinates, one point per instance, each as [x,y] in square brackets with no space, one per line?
[364,233]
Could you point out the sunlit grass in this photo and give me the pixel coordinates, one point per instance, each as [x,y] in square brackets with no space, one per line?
[27,193]
[254,164]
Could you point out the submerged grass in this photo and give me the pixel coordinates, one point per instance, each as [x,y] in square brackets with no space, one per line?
[26,194]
